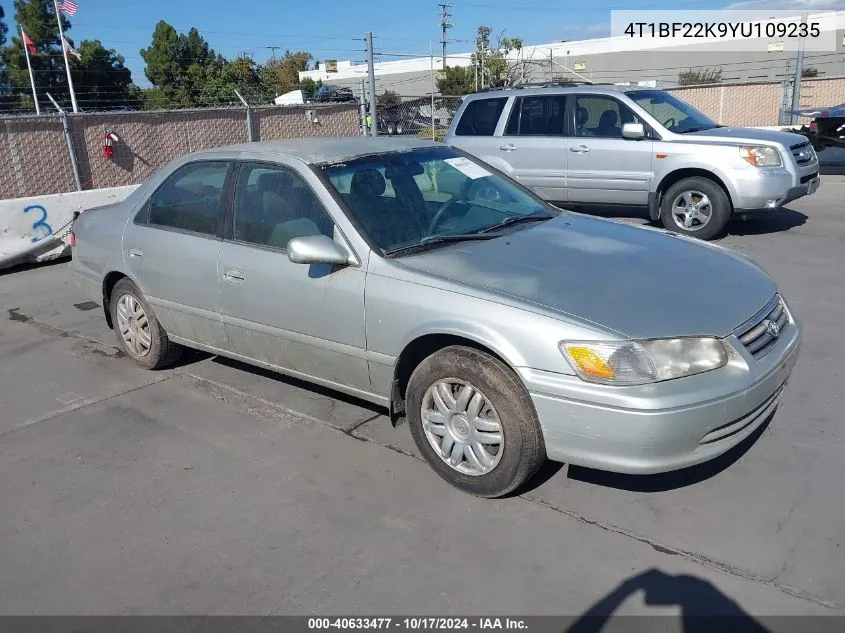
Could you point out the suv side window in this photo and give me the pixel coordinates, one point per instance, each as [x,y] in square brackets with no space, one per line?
[273,205]
[600,115]
[541,115]
[190,199]
[480,117]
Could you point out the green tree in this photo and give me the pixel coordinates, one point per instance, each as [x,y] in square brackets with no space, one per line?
[308,87]
[281,75]
[495,69]
[388,99]
[4,87]
[456,81]
[100,78]
[178,65]
[694,77]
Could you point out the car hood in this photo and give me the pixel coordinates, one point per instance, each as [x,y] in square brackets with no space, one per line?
[642,283]
[740,134]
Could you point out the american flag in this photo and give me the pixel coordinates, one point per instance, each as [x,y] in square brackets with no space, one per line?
[68,6]
[71,50]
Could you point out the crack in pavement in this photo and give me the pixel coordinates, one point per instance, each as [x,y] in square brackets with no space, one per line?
[14,314]
[691,556]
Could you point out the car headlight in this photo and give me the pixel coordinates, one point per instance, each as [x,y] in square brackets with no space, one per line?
[761,156]
[641,362]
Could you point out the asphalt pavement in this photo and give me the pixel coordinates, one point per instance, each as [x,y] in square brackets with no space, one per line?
[217,488]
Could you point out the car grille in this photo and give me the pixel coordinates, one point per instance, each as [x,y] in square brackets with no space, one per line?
[803,153]
[758,336]
[732,428]
[808,177]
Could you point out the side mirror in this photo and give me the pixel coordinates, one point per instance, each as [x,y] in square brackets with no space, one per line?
[318,249]
[634,131]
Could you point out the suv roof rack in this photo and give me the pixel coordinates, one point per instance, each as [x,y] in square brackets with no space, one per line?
[546,84]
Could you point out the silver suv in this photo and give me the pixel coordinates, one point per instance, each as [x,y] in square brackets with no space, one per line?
[600,145]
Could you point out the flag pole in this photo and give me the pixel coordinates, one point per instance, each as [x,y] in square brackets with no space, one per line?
[31,76]
[64,53]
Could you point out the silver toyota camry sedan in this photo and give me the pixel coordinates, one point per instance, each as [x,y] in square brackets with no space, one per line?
[410,274]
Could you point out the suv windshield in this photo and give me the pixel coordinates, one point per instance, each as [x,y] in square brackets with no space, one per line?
[409,200]
[674,114]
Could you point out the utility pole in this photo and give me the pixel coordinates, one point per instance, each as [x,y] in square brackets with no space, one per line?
[445,24]
[799,70]
[273,50]
[371,74]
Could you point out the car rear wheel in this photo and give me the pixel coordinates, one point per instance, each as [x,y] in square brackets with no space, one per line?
[139,334]
[474,422]
[697,207]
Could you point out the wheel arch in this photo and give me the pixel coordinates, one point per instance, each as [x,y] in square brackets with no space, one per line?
[109,282]
[677,175]
[423,346]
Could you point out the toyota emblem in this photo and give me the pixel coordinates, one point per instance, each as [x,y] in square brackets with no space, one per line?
[773,329]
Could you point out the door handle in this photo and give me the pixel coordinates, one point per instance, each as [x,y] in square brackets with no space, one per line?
[136,253]
[510,147]
[579,149]
[233,275]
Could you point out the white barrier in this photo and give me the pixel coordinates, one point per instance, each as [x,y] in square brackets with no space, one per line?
[26,221]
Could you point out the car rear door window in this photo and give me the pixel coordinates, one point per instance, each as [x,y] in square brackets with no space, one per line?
[273,205]
[602,116]
[190,199]
[541,115]
[480,117]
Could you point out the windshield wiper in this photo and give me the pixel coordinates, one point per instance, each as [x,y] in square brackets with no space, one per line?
[517,219]
[699,129]
[442,239]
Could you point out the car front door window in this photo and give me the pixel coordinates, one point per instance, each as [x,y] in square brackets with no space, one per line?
[274,205]
[601,116]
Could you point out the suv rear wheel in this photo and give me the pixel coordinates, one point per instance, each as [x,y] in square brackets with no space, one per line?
[697,207]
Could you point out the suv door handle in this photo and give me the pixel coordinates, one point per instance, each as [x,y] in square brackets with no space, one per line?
[579,149]
[510,147]
[136,253]
[233,275]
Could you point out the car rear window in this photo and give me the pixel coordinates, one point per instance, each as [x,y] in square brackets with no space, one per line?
[480,117]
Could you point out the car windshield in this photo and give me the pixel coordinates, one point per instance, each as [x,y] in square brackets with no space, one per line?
[674,114]
[409,200]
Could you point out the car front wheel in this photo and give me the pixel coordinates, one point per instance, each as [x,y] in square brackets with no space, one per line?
[473,421]
[139,334]
[697,207]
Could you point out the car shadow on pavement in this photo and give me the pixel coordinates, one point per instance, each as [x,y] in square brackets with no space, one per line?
[671,480]
[775,221]
[299,384]
[702,607]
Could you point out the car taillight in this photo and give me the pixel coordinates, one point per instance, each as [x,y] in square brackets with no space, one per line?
[72,239]
[814,127]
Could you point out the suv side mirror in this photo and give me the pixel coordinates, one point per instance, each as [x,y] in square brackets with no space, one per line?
[318,249]
[635,131]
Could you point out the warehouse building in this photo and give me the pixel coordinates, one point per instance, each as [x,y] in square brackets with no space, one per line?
[655,62]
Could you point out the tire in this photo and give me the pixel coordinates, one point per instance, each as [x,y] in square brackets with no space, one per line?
[160,351]
[521,450]
[688,193]
[390,129]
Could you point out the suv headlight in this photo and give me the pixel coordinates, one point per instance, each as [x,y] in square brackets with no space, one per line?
[641,362]
[761,156]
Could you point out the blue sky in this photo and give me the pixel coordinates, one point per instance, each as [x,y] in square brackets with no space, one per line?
[333,29]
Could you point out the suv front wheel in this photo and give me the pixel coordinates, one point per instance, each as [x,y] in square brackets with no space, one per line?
[697,207]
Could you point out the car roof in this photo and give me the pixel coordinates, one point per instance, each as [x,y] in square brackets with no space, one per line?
[316,150]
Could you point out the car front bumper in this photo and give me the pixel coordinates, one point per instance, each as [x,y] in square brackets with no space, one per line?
[768,189]
[671,425]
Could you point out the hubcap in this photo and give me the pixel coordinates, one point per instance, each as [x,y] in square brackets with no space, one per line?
[462,426]
[133,325]
[691,210]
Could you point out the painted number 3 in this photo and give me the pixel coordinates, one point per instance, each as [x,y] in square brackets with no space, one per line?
[39,227]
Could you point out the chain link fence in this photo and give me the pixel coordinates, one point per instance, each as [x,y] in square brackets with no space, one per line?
[418,116]
[36,157]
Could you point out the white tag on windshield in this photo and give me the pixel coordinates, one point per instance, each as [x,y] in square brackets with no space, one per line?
[467,167]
